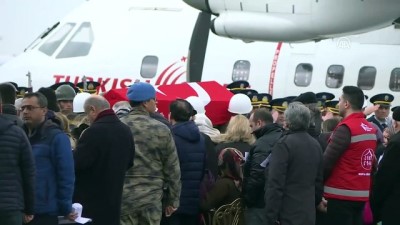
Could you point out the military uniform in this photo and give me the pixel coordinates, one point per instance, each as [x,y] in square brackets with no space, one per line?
[279,105]
[382,100]
[261,100]
[156,167]
[322,99]
[238,86]
[333,107]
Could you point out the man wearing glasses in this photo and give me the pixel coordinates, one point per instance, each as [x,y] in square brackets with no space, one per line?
[381,117]
[54,162]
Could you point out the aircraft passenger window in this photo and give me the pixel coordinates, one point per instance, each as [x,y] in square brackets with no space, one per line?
[394,83]
[149,66]
[303,75]
[241,70]
[50,46]
[80,43]
[334,76]
[366,78]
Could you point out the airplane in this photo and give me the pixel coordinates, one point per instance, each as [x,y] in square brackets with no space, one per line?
[297,20]
[4,58]
[168,42]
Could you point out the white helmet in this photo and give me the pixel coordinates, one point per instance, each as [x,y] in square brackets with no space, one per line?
[240,104]
[197,104]
[79,101]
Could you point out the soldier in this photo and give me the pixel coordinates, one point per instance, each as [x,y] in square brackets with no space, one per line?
[237,86]
[332,110]
[65,93]
[381,117]
[323,98]
[279,105]
[261,100]
[156,164]
[65,97]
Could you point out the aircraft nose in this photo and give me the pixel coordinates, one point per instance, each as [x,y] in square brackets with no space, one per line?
[199,4]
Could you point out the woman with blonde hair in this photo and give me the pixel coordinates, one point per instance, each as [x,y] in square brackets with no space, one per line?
[238,135]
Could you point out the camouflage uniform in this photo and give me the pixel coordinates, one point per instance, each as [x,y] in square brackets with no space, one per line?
[156,167]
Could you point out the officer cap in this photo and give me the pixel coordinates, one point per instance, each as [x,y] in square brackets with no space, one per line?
[279,104]
[382,99]
[238,85]
[21,91]
[261,100]
[332,106]
[326,96]
[91,86]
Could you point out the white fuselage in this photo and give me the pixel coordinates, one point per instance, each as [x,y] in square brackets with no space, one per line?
[116,44]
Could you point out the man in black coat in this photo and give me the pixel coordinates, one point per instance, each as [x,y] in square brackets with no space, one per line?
[267,133]
[386,188]
[103,154]
[17,174]
[294,172]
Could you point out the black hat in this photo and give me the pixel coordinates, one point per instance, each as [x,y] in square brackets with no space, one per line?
[91,86]
[279,104]
[50,94]
[306,98]
[238,85]
[396,114]
[291,98]
[332,106]
[55,86]
[261,100]
[21,91]
[248,92]
[394,108]
[326,96]
[382,99]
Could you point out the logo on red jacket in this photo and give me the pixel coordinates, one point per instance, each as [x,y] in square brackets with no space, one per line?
[367,159]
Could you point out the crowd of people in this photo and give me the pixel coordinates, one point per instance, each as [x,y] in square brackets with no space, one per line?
[299,160]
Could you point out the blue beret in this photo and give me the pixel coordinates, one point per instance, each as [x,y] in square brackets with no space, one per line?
[141,92]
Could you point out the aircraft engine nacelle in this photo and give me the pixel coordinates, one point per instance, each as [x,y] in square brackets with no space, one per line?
[296,20]
[256,26]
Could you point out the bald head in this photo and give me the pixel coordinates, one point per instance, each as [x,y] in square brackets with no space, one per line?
[94,105]
[98,102]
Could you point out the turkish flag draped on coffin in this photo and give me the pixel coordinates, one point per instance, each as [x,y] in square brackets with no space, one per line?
[215,96]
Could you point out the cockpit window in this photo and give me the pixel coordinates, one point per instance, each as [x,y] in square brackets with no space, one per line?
[51,45]
[80,43]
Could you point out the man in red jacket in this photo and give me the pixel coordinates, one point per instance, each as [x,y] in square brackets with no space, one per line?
[348,161]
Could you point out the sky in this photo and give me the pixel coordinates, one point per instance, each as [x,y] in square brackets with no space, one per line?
[21,21]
